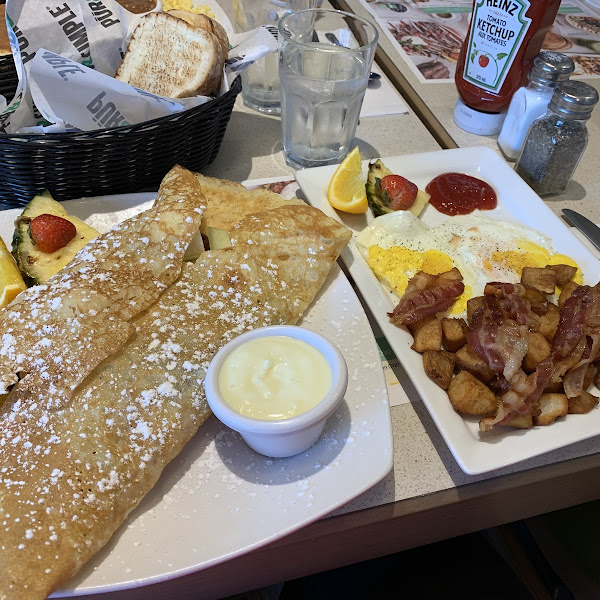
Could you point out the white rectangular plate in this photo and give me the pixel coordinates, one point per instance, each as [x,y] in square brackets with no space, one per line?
[218,499]
[517,203]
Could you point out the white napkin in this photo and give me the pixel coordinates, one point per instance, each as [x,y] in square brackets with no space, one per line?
[66,73]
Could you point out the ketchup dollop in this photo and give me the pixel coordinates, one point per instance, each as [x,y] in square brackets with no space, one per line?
[460,194]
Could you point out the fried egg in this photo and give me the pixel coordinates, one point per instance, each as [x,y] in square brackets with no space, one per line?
[398,245]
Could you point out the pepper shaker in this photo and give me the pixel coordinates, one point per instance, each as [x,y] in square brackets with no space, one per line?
[531,102]
[556,141]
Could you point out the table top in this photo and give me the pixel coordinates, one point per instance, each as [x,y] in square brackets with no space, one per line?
[426,497]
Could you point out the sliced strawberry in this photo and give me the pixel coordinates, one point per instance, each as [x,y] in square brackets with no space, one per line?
[51,233]
[398,193]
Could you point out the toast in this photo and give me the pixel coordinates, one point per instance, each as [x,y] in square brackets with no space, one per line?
[169,57]
[204,22]
[4,43]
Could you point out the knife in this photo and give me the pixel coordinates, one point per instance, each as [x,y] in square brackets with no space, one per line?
[589,229]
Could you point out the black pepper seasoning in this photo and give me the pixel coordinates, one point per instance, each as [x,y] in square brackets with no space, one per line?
[556,141]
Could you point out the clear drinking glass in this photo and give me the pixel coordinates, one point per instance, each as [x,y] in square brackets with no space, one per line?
[260,81]
[325,58]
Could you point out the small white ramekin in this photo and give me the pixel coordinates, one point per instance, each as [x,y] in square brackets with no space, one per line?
[285,437]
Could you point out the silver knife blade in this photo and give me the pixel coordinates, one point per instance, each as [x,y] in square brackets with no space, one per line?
[589,229]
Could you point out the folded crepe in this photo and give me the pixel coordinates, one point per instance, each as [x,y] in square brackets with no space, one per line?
[71,473]
[229,202]
[53,335]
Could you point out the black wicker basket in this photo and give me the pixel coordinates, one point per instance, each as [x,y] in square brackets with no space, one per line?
[108,161]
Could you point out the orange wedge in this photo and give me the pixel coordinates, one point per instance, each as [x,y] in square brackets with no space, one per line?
[11,282]
[346,191]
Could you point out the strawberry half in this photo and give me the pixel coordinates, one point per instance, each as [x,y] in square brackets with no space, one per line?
[398,193]
[51,233]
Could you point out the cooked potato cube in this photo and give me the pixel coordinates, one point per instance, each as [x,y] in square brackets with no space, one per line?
[472,305]
[521,422]
[537,299]
[539,309]
[552,406]
[469,360]
[579,405]
[538,350]
[555,387]
[439,367]
[414,327]
[543,280]
[549,322]
[564,273]
[589,376]
[534,295]
[428,337]
[566,292]
[471,396]
[454,334]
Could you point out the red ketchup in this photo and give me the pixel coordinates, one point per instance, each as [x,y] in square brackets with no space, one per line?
[497,54]
[460,194]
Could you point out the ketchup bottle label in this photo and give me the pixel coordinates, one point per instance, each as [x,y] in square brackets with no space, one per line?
[497,28]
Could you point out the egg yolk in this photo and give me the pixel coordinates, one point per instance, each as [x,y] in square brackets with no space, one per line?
[460,305]
[436,262]
[527,254]
[396,265]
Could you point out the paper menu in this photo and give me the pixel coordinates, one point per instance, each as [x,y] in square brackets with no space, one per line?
[429,34]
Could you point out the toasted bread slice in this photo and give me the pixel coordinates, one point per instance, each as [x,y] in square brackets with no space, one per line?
[4,43]
[169,57]
[204,22]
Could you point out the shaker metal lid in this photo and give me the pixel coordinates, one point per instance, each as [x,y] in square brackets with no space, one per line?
[574,99]
[551,66]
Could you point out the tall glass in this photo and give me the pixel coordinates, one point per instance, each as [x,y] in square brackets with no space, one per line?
[260,81]
[325,58]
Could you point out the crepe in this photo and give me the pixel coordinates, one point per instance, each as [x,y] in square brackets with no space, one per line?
[90,461]
[58,332]
[230,202]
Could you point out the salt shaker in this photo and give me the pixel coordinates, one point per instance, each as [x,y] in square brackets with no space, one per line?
[531,102]
[556,141]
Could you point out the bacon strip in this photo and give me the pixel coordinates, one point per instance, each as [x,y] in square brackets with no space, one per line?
[498,331]
[572,322]
[572,352]
[573,380]
[499,335]
[522,397]
[417,303]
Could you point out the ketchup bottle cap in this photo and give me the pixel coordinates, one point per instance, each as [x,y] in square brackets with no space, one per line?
[477,122]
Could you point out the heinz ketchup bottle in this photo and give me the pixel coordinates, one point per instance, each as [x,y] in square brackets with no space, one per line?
[504,37]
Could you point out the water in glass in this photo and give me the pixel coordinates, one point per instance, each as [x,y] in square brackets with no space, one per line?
[323,89]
